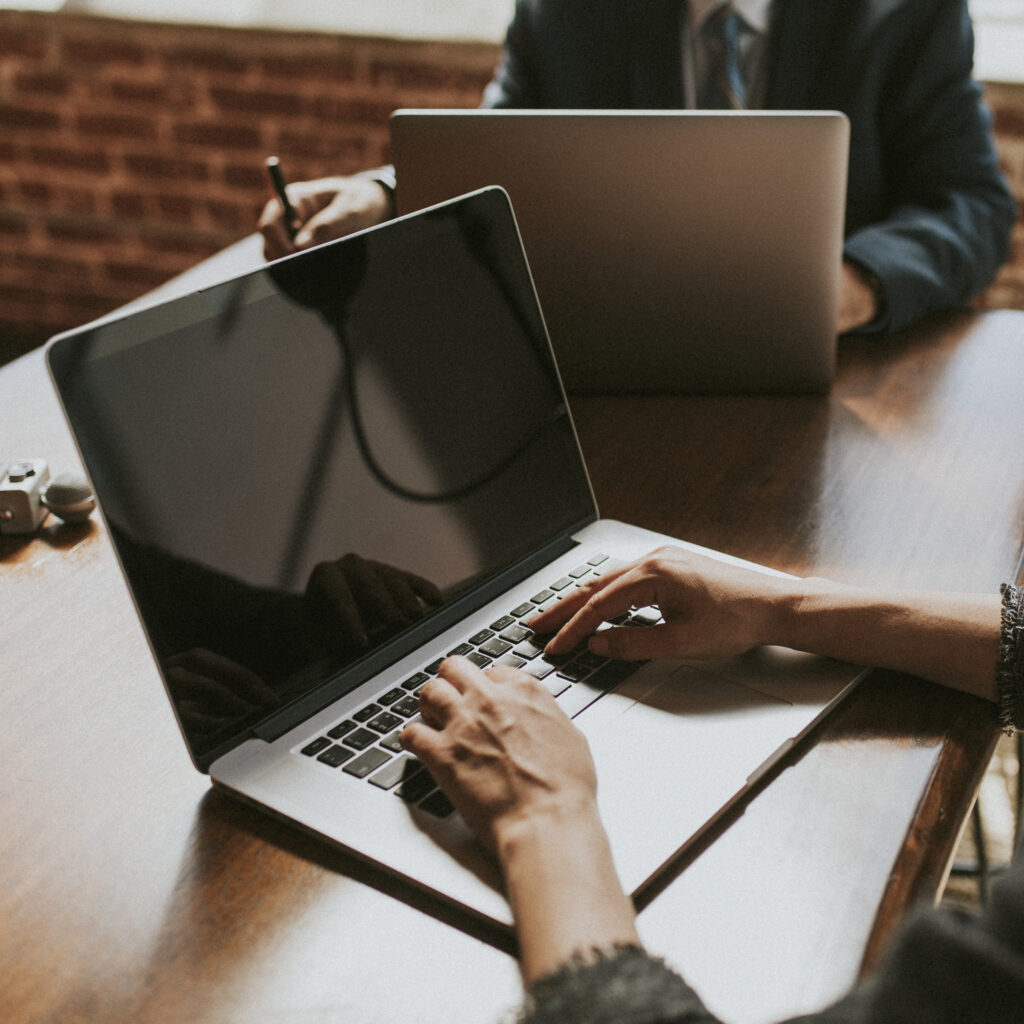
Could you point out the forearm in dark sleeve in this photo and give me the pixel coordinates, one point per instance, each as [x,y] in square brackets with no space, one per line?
[514,84]
[947,231]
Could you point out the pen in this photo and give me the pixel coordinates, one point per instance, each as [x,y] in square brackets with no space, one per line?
[273,167]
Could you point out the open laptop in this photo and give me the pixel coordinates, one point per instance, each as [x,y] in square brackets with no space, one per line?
[324,476]
[673,251]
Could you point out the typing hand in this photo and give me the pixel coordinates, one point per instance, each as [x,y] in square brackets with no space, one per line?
[501,749]
[326,208]
[711,609]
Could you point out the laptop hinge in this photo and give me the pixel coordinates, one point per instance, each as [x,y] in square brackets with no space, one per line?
[355,675]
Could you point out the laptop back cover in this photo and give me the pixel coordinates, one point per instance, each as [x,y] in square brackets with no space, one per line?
[673,251]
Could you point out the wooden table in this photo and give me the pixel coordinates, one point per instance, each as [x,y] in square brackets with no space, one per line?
[132,892]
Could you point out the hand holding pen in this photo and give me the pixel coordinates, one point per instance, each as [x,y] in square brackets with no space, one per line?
[307,213]
[276,178]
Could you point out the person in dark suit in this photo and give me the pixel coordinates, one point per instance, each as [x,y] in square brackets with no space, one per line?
[928,213]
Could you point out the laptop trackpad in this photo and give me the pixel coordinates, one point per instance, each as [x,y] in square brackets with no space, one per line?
[672,747]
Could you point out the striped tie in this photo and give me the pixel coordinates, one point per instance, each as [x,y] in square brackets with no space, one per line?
[724,89]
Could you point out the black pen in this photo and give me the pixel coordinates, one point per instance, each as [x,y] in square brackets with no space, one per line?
[273,166]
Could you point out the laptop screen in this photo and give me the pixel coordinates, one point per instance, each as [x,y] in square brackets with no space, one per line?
[303,464]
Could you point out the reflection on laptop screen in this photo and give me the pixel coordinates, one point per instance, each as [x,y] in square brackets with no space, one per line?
[300,465]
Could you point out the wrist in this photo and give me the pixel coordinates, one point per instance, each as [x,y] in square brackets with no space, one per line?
[562,886]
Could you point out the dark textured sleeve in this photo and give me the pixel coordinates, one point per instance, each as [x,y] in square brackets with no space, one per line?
[948,227]
[626,984]
[1010,678]
[944,967]
[515,81]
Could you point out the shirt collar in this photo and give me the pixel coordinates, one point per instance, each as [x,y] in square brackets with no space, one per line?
[754,12]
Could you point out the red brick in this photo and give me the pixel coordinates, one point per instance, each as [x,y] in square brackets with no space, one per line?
[261,102]
[116,126]
[323,70]
[48,83]
[71,159]
[135,273]
[22,118]
[131,205]
[13,225]
[1009,122]
[338,155]
[434,77]
[218,136]
[155,94]
[21,43]
[339,112]
[90,230]
[233,216]
[246,176]
[199,58]
[107,52]
[159,166]
[176,207]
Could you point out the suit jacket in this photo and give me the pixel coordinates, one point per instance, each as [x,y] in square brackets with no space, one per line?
[928,212]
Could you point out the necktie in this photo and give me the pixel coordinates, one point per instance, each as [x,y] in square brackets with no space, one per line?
[724,88]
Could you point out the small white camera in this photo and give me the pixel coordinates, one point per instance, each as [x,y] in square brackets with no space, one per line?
[21,492]
[27,494]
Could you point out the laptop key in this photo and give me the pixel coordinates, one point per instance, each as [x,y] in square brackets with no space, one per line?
[361,739]
[366,762]
[510,661]
[418,785]
[336,756]
[341,729]
[479,638]
[365,714]
[515,633]
[391,743]
[597,559]
[478,659]
[438,805]
[647,616]
[541,596]
[540,669]
[392,774]
[565,581]
[406,707]
[316,746]
[554,684]
[415,680]
[502,623]
[391,696]
[527,650]
[580,571]
[526,608]
[462,649]
[384,722]
[495,647]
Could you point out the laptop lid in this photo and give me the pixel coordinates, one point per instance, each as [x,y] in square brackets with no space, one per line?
[308,469]
[673,251]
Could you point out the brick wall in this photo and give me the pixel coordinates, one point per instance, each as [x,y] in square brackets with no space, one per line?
[130,151]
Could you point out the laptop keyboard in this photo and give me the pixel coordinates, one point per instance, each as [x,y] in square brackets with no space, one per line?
[365,744]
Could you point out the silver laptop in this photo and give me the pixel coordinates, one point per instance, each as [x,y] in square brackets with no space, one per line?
[326,475]
[673,251]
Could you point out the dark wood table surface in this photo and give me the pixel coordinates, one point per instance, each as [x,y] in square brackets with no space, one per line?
[130,891]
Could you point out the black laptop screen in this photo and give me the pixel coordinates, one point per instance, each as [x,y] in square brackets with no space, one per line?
[302,465]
